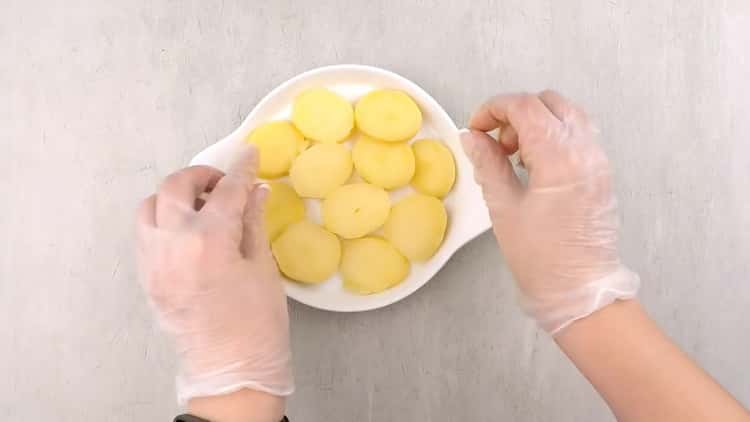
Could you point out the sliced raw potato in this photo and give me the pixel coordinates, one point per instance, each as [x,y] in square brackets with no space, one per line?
[435,171]
[389,165]
[371,265]
[355,210]
[278,144]
[388,115]
[282,208]
[322,115]
[321,169]
[307,253]
[416,226]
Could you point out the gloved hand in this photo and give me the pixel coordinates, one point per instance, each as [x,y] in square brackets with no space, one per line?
[558,232]
[209,274]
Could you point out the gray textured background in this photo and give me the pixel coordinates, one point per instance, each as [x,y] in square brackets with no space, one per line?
[98,102]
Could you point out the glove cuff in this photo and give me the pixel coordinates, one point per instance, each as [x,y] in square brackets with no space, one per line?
[562,310]
[229,380]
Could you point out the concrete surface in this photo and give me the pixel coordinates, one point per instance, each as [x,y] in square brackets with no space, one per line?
[99,101]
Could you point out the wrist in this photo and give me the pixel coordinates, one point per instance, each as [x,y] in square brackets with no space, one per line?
[240,406]
[614,318]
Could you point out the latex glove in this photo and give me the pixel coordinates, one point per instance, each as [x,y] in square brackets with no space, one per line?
[558,232]
[212,281]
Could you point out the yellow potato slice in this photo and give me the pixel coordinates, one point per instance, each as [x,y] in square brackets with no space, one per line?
[321,169]
[307,253]
[282,208]
[371,265]
[322,115]
[388,115]
[416,226]
[389,165]
[278,143]
[353,211]
[436,170]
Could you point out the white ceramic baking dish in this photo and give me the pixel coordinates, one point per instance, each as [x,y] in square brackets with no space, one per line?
[467,214]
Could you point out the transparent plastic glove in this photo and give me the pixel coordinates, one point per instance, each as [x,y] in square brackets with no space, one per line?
[558,232]
[208,272]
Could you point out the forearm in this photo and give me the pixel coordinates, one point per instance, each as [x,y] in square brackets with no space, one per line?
[640,373]
[242,406]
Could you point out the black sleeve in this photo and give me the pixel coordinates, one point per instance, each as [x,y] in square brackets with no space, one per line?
[191,418]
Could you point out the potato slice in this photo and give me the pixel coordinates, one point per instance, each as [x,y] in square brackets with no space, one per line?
[307,253]
[322,115]
[278,144]
[416,226]
[388,115]
[353,211]
[371,265]
[389,165]
[321,169]
[435,171]
[282,208]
